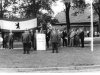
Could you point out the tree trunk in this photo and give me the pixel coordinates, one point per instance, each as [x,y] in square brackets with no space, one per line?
[97,9]
[99,15]
[68,20]
[98,29]
[1,14]
[1,17]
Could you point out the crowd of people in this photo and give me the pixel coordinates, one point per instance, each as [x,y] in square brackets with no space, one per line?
[54,38]
[96,34]
[75,38]
[7,40]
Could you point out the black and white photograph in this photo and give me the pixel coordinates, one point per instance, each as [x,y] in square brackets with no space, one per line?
[49,35]
[96,31]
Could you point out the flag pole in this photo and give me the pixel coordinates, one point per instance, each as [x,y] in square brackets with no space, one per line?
[91,26]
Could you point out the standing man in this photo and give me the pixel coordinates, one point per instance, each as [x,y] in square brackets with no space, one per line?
[32,38]
[35,44]
[72,37]
[26,39]
[64,38]
[81,35]
[59,38]
[10,40]
[5,41]
[54,40]
[47,38]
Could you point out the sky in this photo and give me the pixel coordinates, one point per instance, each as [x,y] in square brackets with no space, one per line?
[59,6]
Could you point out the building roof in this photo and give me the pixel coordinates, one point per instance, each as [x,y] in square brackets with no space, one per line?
[83,17]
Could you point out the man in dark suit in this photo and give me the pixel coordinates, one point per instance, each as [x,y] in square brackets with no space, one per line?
[54,40]
[81,35]
[47,38]
[26,39]
[64,38]
[10,40]
[32,38]
[5,41]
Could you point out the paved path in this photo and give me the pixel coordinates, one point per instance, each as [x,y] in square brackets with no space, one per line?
[36,60]
[96,40]
[67,60]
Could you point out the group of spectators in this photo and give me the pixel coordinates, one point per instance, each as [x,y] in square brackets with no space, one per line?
[75,38]
[7,40]
[28,39]
[96,34]
[54,38]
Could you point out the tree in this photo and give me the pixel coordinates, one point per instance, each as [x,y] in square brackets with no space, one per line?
[36,8]
[28,9]
[96,6]
[33,8]
[75,4]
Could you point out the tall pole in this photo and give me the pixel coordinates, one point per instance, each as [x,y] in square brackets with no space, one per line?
[91,27]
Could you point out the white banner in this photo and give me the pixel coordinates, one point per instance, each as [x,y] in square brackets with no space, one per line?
[41,41]
[21,25]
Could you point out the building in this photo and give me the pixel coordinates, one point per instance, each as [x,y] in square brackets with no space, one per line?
[76,21]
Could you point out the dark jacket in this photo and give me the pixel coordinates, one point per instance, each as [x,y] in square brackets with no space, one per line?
[54,37]
[26,37]
[48,36]
[64,35]
[6,38]
[81,35]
